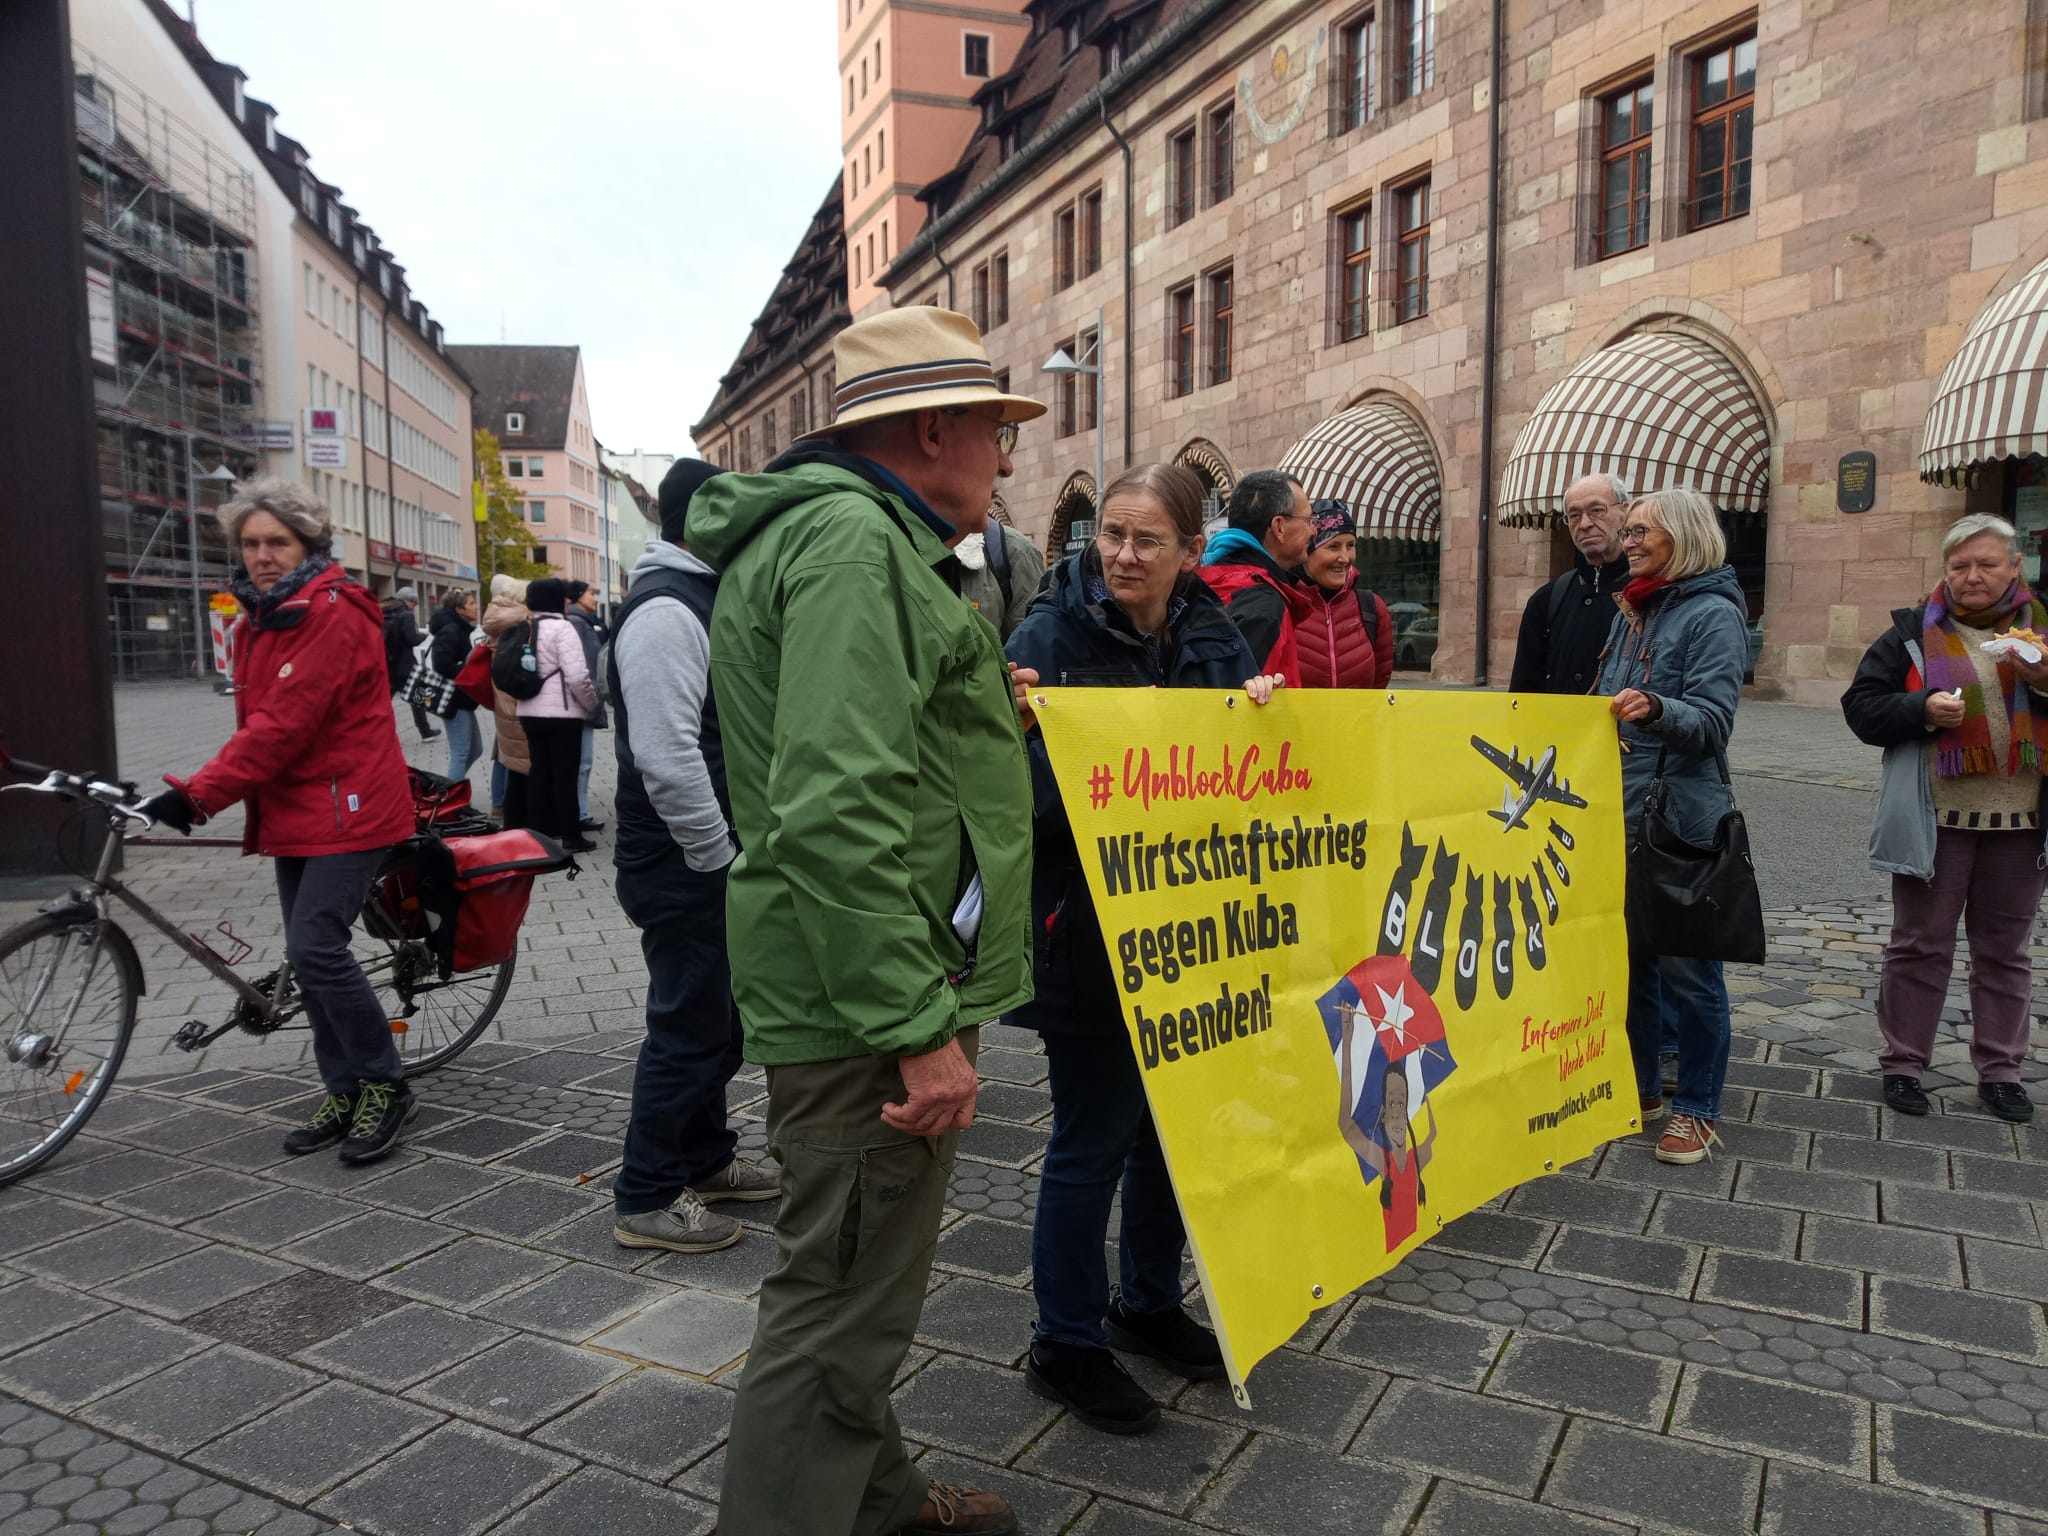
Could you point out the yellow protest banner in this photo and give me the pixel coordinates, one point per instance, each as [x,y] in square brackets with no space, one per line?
[1369,948]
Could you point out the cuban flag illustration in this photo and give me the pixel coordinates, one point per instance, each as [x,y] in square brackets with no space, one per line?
[1394,1021]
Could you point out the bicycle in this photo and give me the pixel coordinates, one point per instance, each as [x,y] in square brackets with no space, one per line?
[70,980]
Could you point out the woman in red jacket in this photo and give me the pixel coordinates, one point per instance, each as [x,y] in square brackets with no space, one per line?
[1347,639]
[315,758]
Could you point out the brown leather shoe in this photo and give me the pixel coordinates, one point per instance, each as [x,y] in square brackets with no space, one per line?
[951,1510]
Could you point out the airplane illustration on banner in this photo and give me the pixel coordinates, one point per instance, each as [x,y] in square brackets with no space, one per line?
[1527,783]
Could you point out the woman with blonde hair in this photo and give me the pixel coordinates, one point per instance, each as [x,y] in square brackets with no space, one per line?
[510,762]
[1673,671]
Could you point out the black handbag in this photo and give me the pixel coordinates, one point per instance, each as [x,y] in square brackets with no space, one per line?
[432,692]
[1689,901]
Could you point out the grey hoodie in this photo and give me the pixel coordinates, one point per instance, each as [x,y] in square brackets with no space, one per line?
[664,666]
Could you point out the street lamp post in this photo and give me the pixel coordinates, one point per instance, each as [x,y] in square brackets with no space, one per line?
[1060,363]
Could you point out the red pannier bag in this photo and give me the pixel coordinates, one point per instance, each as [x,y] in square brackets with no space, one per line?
[435,798]
[473,892]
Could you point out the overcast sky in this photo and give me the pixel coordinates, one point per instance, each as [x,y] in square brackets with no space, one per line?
[627,175]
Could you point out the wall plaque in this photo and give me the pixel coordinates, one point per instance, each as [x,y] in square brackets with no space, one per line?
[1856,482]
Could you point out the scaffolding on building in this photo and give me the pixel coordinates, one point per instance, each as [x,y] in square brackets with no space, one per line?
[170,255]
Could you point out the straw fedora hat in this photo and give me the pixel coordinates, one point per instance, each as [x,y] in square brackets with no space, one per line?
[914,359]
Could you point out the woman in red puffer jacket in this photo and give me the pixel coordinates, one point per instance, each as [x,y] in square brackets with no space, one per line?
[315,758]
[1347,639]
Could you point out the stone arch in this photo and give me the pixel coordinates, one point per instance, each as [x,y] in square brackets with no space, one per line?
[999,511]
[1074,503]
[1400,392]
[1713,326]
[2030,258]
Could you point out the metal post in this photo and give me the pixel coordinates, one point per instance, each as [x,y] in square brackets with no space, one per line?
[202,633]
[1101,426]
[59,710]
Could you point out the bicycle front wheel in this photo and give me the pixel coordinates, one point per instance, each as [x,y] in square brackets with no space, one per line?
[433,1021]
[68,990]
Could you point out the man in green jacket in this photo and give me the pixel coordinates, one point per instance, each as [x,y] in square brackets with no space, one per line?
[880,908]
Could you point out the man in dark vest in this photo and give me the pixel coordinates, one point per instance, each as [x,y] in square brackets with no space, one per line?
[674,843]
[1565,626]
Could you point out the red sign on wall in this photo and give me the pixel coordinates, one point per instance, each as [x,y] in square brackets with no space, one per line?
[379,550]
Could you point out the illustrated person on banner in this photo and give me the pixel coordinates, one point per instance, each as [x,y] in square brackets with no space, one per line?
[1388,1038]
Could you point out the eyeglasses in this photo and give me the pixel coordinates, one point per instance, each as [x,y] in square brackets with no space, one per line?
[1146,546]
[1638,533]
[1006,431]
[1573,517]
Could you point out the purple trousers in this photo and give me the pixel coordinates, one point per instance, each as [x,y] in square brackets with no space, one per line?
[1991,883]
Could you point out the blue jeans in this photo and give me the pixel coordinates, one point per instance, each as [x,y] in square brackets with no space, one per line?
[1690,997]
[465,743]
[499,774]
[583,772]
[1102,1134]
[678,1135]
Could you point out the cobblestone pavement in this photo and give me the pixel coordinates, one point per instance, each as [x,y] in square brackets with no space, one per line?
[1835,1326]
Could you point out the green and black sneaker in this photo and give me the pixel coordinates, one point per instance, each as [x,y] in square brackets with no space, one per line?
[329,1124]
[381,1112]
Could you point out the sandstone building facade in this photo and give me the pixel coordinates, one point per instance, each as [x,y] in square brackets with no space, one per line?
[1441,273]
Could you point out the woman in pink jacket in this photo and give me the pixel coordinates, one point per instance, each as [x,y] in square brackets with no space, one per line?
[553,718]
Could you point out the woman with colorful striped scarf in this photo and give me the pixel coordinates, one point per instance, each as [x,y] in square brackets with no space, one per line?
[1959,818]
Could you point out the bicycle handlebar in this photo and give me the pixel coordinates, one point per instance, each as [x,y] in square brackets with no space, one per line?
[119,798]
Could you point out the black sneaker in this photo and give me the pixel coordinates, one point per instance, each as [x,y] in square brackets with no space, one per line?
[1904,1094]
[2008,1101]
[329,1124]
[382,1110]
[1093,1385]
[1172,1338]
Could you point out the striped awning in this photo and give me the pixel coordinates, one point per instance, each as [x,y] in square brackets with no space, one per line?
[1990,402]
[1377,460]
[1658,408]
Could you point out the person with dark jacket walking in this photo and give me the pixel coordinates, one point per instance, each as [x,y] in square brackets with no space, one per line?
[1959,812]
[1253,565]
[315,760]
[1129,612]
[1673,676]
[401,640]
[674,845]
[1565,625]
[1346,639]
[450,629]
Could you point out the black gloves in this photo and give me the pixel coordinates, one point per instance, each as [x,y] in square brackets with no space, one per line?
[169,809]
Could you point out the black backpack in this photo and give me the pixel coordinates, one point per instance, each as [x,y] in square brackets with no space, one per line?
[514,670]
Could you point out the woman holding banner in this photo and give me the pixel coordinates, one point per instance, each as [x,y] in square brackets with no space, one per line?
[1673,668]
[1127,612]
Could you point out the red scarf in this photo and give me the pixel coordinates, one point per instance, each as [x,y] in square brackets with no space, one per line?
[1641,588]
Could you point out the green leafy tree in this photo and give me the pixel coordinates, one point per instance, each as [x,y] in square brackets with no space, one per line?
[504,542]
